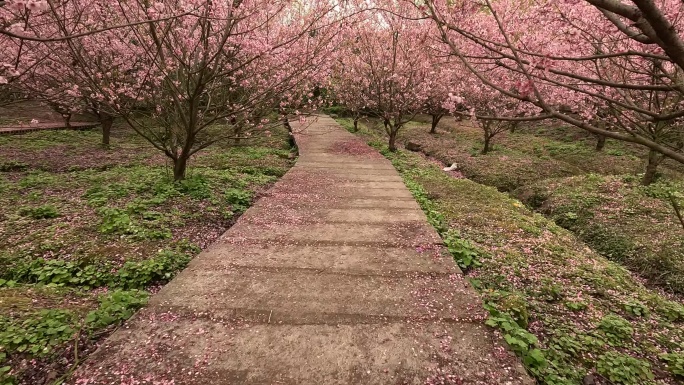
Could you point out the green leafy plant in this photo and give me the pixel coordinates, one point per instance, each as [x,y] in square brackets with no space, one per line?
[576,305]
[59,273]
[137,275]
[116,306]
[99,195]
[152,215]
[115,221]
[624,369]
[566,344]
[636,309]
[675,363]
[40,212]
[462,250]
[118,221]
[513,304]
[37,335]
[13,165]
[132,275]
[196,186]
[435,218]
[673,311]
[615,328]
[238,199]
[551,291]
[7,283]
[522,342]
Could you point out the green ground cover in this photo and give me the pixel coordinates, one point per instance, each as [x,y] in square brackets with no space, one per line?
[86,233]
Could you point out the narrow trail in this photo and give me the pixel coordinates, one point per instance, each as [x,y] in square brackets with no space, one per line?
[18,129]
[334,277]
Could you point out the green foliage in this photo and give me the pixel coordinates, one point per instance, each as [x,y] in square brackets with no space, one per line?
[673,311]
[37,335]
[115,306]
[36,179]
[624,369]
[5,378]
[607,241]
[140,274]
[622,220]
[59,273]
[522,342]
[132,275]
[43,332]
[636,309]
[119,210]
[576,305]
[7,283]
[100,194]
[574,148]
[566,344]
[616,328]
[535,196]
[464,253]
[675,363]
[513,304]
[118,221]
[115,221]
[337,110]
[40,212]
[13,165]
[462,250]
[435,218]
[196,186]
[238,199]
[551,291]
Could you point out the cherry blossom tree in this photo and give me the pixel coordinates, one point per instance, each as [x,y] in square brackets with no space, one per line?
[606,66]
[490,110]
[183,74]
[348,92]
[441,80]
[383,71]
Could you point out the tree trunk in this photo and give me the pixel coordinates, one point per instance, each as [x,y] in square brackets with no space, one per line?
[677,210]
[106,121]
[513,126]
[180,164]
[393,139]
[435,120]
[600,142]
[237,131]
[487,137]
[356,123]
[287,125]
[487,144]
[651,173]
[67,119]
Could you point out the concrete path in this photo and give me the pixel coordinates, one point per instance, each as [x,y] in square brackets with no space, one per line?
[12,130]
[335,277]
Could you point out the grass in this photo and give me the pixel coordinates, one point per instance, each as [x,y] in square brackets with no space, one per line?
[572,315]
[87,232]
[631,224]
[530,154]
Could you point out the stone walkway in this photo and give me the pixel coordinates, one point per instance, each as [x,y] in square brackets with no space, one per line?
[12,130]
[335,277]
